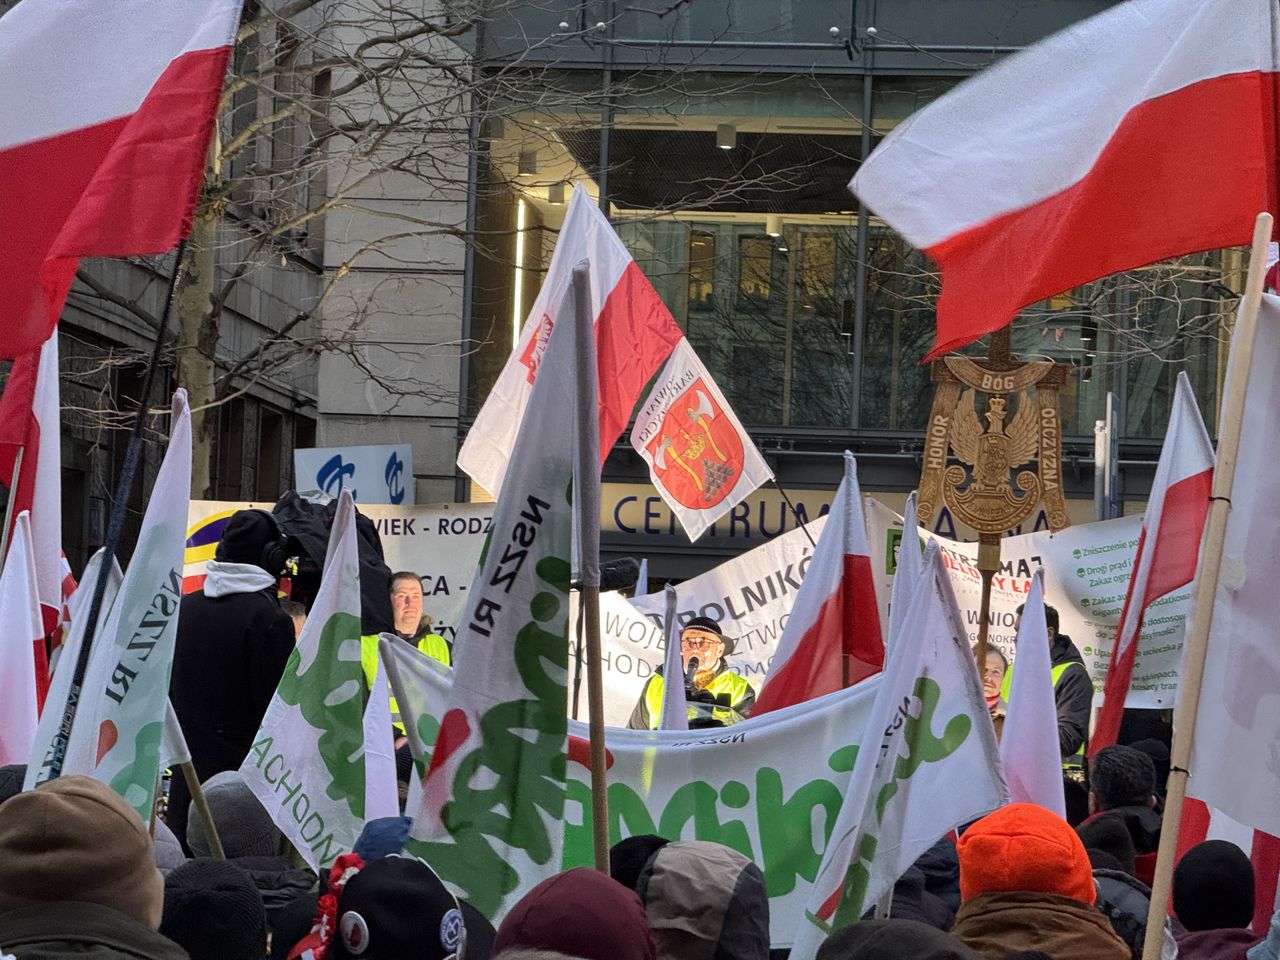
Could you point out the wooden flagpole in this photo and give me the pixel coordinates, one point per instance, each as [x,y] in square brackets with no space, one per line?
[202,809]
[586,496]
[8,510]
[1206,588]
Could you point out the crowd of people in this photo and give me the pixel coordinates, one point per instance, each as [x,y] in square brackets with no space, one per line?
[81,875]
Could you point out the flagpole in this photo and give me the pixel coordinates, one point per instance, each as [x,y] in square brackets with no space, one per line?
[128,472]
[1206,589]
[586,495]
[804,524]
[202,809]
[9,508]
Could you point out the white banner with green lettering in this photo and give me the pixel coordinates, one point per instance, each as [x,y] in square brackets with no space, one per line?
[770,788]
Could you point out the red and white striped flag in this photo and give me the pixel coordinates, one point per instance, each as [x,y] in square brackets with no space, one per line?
[30,424]
[835,621]
[20,614]
[635,333]
[104,126]
[1086,154]
[1168,546]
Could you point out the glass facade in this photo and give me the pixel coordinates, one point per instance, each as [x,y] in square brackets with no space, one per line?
[729,187]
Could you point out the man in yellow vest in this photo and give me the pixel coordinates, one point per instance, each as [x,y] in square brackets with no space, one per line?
[411,626]
[701,638]
[1072,693]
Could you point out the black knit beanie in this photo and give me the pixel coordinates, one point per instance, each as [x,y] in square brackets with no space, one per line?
[628,857]
[1213,887]
[1109,834]
[214,911]
[244,537]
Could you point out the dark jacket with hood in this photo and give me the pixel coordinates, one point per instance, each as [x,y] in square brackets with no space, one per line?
[1124,900]
[81,931]
[1073,695]
[893,939]
[704,899]
[228,659]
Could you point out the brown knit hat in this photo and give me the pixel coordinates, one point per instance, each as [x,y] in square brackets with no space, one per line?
[75,839]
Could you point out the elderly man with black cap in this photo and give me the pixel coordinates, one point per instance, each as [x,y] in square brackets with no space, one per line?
[703,640]
[232,646]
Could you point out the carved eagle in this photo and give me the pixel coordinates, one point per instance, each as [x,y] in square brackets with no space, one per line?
[1023,433]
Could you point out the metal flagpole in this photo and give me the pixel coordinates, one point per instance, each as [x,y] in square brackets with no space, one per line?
[133,454]
[586,495]
[804,524]
[1206,588]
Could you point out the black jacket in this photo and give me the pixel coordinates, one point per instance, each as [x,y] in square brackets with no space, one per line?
[227,662]
[81,931]
[1073,695]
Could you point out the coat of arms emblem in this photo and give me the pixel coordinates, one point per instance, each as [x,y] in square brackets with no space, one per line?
[697,452]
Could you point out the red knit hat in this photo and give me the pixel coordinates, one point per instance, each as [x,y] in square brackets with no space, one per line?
[1023,847]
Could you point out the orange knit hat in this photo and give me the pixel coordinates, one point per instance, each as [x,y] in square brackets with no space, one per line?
[1024,847]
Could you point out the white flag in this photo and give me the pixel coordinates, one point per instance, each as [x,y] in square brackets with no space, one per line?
[675,706]
[23,629]
[1029,745]
[493,798]
[928,763]
[700,458]
[1235,764]
[381,793]
[907,570]
[307,763]
[173,745]
[120,721]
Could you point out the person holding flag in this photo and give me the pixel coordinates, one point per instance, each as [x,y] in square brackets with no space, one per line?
[703,647]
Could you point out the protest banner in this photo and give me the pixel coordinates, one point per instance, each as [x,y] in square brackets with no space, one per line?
[1086,575]
[769,787]
[441,542]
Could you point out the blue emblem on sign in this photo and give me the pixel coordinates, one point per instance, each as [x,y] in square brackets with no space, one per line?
[394,475]
[331,477]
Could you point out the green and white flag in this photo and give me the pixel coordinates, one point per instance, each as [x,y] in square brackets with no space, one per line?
[492,801]
[928,762]
[307,763]
[120,720]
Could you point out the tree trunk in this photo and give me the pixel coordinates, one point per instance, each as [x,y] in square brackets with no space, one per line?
[198,344]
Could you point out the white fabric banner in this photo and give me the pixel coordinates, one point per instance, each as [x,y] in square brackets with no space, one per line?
[700,458]
[1086,575]
[768,787]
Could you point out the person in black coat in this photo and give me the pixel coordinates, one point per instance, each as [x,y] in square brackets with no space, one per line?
[232,646]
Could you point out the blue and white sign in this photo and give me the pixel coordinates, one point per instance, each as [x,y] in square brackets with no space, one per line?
[373,474]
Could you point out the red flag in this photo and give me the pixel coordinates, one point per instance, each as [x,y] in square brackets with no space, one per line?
[105,121]
[835,623]
[1168,546]
[1084,155]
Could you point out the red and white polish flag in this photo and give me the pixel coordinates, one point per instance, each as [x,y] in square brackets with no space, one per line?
[1168,547]
[1086,154]
[635,333]
[20,613]
[835,619]
[700,458]
[105,122]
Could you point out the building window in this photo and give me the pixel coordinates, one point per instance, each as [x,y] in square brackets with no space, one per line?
[755,267]
[702,270]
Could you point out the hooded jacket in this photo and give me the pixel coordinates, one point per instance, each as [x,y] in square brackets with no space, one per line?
[229,656]
[81,931]
[894,939]
[998,924]
[1124,901]
[705,901]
